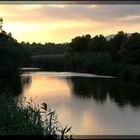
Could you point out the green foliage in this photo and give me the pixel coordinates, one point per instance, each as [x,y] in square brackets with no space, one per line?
[98,44]
[24,118]
[9,55]
[12,55]
[115,45]
[130,49]
[80,44]
[96,64]
[44,49]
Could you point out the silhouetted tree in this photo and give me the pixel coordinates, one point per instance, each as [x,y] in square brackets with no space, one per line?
[130,49]
[80,43]
[98,44]
[11,54]
[1,23]
[115,45]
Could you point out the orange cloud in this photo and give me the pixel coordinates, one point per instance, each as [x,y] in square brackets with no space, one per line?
[60,23]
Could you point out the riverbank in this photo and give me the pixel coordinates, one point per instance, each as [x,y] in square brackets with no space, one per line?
[94,64]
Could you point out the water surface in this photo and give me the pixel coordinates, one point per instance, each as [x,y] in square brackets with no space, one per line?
[91,104]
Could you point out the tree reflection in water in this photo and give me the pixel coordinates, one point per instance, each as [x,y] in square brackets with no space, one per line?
[14,85]
[120,92]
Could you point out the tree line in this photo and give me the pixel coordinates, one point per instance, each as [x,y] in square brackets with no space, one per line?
[12,54]
[122,48]
[44,49]
[84,53]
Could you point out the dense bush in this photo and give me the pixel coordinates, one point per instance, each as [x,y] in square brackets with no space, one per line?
[97,64]
[25,118]
[12,55]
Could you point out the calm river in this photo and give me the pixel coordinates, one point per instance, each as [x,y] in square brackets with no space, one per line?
[91,104]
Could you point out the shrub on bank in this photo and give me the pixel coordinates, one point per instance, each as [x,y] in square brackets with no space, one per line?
[24,118]
[97,64]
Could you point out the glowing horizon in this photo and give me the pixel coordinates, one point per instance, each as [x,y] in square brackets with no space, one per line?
[60,23]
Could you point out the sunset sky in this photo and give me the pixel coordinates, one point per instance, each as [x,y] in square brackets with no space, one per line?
[60,23]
